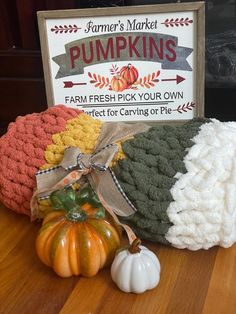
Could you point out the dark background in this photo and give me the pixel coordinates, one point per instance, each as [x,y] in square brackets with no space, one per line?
[22,88]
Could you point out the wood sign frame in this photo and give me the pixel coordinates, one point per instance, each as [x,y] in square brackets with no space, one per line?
[138,63]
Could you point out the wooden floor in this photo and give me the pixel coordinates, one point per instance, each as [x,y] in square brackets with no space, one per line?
[191,282]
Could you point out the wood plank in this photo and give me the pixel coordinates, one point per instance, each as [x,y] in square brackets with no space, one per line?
[9,26]
[26,285]
[166,287]
[21,64]
[21,96]
[13,229]
[98,287]
[28,23]
[191,282]
[189,288]
[221,293]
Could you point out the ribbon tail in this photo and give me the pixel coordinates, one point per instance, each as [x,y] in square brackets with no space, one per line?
[34,207]
[106,185]
[113,199]
[131,235]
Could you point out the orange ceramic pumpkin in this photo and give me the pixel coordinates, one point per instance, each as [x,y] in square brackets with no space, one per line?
[130,73]
[74,243]
[118,83]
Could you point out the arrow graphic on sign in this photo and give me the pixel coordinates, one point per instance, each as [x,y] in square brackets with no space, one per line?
[185,107]
[70,84]
[178,79]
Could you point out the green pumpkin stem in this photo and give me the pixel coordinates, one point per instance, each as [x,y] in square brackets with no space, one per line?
[69,200]
[134,247]
[76,215]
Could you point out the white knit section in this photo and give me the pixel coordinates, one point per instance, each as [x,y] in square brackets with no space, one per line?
[203,212]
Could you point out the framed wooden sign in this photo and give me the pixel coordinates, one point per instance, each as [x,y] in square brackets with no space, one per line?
[126,63]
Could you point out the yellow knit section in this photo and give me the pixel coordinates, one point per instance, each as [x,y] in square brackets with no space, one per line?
[44,206]
[81,132]
[119,155]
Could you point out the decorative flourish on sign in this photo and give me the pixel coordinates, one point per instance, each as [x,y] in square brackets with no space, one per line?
[99,80]
[185,107]
[65,29]
[177,22]
[114,70]
[149,80]
[126,77]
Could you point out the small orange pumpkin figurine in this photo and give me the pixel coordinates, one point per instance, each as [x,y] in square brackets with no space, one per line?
[130,73]
[73,241]
[118,83]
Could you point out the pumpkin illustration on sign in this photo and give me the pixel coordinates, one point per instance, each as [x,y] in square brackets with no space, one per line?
[118,83]
[76,238]
[130,73]
[124,78]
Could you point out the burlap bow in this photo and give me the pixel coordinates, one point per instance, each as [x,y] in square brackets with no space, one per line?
[95,167]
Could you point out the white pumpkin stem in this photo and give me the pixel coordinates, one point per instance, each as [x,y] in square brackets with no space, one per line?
[134,247]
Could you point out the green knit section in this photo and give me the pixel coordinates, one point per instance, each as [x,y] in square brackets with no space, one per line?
[147,174]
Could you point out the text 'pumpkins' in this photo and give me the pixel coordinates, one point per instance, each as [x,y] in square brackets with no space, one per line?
[78,239]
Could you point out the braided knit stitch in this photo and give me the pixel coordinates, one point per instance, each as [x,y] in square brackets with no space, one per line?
[148,172]
[203,212]
[22,153]
[81,131]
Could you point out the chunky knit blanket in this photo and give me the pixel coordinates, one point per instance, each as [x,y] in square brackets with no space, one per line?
[181,179]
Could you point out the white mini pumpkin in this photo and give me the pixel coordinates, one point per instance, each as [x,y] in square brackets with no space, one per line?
[136,269]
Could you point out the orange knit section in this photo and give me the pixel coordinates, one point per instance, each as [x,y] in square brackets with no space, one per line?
[22,153]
